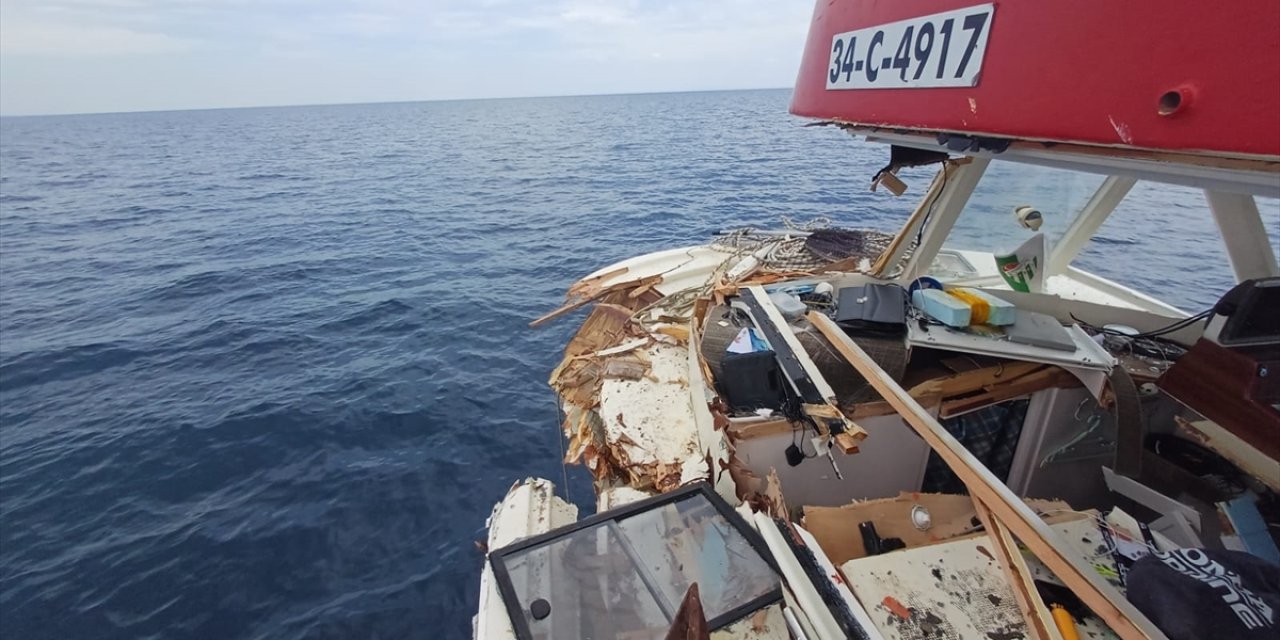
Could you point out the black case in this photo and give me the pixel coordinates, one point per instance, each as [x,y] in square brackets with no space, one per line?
[872,308]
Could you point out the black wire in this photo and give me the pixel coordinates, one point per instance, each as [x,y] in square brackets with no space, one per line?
[794,413]
[1177,325]
[1154,333]
[929,212]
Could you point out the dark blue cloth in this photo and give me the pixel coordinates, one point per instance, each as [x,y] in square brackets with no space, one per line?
[990,434]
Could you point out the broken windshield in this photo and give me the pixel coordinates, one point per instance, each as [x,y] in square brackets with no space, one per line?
[623,574]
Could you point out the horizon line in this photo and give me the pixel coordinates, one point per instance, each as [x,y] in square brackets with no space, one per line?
[381,102]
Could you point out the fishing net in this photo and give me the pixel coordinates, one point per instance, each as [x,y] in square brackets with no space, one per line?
[804,247]
[834,245]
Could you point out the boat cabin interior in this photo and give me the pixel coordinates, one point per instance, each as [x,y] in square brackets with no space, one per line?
[851,433]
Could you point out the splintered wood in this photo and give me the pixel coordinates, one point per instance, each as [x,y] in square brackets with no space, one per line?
[625,392]
[584,292]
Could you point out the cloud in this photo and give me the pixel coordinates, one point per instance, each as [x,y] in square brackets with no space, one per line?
[62,40]
[269,51]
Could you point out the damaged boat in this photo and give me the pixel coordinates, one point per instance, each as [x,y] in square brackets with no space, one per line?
[819,432]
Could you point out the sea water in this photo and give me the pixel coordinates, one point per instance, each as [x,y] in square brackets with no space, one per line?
[264,372]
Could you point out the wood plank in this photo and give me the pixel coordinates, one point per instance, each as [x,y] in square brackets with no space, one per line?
[951,517]
[847,443]
[1104,600]
[1000,383]
[970,381]
[585,285]
[1040,622]
[1026,385]
[761,429]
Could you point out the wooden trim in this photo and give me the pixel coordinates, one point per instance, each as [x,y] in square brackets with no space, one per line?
[1047,378]
[1040,622]
[1231,447]
[1004,506]
[762,429]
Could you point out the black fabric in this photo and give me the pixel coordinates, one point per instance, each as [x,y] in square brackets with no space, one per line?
[1192,594]
[751,381]
[991,434]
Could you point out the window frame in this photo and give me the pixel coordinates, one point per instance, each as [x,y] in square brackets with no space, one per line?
[511,600]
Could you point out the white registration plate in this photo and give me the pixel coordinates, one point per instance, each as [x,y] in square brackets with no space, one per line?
[941,50]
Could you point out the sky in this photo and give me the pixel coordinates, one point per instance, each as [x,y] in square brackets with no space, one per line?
[90,56]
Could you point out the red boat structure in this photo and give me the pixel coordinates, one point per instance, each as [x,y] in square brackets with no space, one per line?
[1184,77]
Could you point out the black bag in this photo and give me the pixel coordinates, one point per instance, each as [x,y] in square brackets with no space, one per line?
[872,308]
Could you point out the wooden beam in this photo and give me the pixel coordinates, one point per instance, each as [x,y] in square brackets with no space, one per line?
[975,379]
[1007,508]
[1047,378]
[993,381]
[1039,621]
[760,429]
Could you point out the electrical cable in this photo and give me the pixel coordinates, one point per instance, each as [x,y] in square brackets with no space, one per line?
[1180,324]
[929,212]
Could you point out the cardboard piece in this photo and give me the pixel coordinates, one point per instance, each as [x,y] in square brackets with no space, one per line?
[836,528]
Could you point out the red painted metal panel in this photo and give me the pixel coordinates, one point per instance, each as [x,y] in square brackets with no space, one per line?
[1089,71]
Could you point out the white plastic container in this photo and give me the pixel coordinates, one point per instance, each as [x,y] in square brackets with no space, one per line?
[790,306]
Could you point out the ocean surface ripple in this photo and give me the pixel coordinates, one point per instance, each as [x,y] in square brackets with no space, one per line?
[264,372]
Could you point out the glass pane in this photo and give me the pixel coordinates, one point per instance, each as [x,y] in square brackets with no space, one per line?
[1162,240]
[591,585]
[987,222]
[689,541]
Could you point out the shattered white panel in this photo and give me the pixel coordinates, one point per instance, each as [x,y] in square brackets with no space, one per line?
[650,421]
[713,441]
[530,508]
[617,495]
[680,268]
